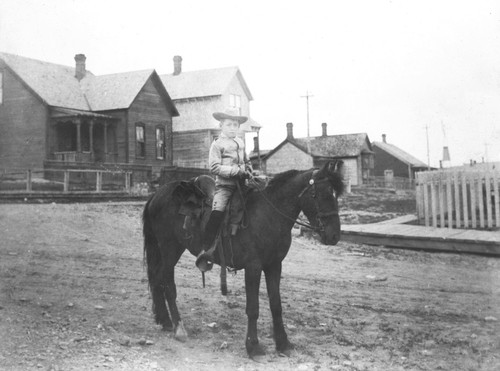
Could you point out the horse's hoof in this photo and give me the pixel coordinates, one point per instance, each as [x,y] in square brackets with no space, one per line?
[167,327]
[255,350]
[180,332]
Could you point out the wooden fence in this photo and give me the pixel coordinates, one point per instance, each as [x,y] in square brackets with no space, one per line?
[459,198]
[66,181]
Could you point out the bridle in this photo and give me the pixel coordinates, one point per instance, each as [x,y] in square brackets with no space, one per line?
[320,215]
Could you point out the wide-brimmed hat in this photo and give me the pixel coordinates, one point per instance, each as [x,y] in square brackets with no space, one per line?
[230,113]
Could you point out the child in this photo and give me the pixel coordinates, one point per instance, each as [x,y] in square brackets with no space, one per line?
[227,162]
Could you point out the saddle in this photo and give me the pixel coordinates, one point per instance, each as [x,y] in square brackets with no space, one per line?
[197,196]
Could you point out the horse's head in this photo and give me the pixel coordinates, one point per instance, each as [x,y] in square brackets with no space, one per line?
[319,203]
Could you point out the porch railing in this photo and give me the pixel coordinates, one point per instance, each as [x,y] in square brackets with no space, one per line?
[73,156]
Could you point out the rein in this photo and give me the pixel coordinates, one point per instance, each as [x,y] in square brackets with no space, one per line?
[311,184]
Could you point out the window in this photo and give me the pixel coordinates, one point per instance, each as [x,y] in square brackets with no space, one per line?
[140,141]
[235,102]
[1,87]
[160,143]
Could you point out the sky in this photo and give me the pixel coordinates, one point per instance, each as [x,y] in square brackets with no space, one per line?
[425,73]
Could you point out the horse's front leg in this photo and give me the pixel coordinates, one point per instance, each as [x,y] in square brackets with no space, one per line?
[273,278]
[252,284]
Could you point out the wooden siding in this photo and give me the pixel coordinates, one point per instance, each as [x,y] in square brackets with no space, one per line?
[385,161]
[23,122]
[196,113]
[286,158]
[148,108]
[191,148]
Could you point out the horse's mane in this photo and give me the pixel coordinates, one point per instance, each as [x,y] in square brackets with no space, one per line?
[279,179]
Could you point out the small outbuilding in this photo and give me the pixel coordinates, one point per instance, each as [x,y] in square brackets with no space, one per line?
[392,159]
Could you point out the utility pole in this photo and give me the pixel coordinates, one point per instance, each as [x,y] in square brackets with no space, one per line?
[307,96]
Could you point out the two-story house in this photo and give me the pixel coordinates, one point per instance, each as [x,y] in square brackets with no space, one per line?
[197,95]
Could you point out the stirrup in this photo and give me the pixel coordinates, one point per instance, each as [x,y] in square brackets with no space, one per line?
[204,261]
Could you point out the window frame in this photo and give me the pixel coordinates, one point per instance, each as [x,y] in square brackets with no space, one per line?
[161,152]
[235,102]
[138,143]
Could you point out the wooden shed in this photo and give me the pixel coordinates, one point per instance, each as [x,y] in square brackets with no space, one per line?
[389,157]
[62,117]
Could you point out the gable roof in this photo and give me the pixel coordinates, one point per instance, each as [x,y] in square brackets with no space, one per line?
[342,145]
[400,154]
[203,83]
[114,91]
[333,146]
[57,86]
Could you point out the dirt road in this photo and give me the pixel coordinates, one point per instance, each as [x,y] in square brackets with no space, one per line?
[74,296]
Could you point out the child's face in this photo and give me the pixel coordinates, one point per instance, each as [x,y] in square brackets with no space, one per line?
[230,127]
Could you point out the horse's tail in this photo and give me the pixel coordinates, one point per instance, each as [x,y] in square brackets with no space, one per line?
[152,256]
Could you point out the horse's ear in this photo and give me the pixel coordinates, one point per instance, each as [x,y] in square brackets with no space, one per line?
[338,166]
[334,166]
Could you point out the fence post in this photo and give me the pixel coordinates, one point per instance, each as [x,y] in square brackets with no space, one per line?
[28,181]
[127,182]
[465,200]
[66,181]
[473,195]
[98,181]
[480,199]
[449,200]
[433,203]
[489,214]
[457,200]
[496,177]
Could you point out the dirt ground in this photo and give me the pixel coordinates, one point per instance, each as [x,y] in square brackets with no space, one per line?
[74,296]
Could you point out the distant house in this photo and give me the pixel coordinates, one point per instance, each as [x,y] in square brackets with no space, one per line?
[388,157]
[197,95]
[304,153]
[54,116]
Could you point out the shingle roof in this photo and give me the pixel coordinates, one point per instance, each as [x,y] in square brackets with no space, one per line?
[400,154]
[53,83]
[115,91]
[57,86]
[203,83]
[343,145]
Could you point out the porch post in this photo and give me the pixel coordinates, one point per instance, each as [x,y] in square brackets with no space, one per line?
[91,139]
[78,135]
[105,141]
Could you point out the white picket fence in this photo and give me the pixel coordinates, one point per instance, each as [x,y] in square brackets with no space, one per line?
[459,198]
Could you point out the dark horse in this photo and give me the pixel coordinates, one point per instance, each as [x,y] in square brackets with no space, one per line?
[261,246]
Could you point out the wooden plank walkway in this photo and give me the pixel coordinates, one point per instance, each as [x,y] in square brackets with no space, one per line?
[393,234]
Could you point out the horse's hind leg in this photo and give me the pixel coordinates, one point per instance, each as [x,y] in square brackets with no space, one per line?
[159,308]
[170,292]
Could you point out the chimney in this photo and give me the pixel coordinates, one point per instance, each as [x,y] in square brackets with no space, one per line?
[177,65]
[384,138]
[289,130]
[80,66]
[446,154]
[256,144]
[323,126]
